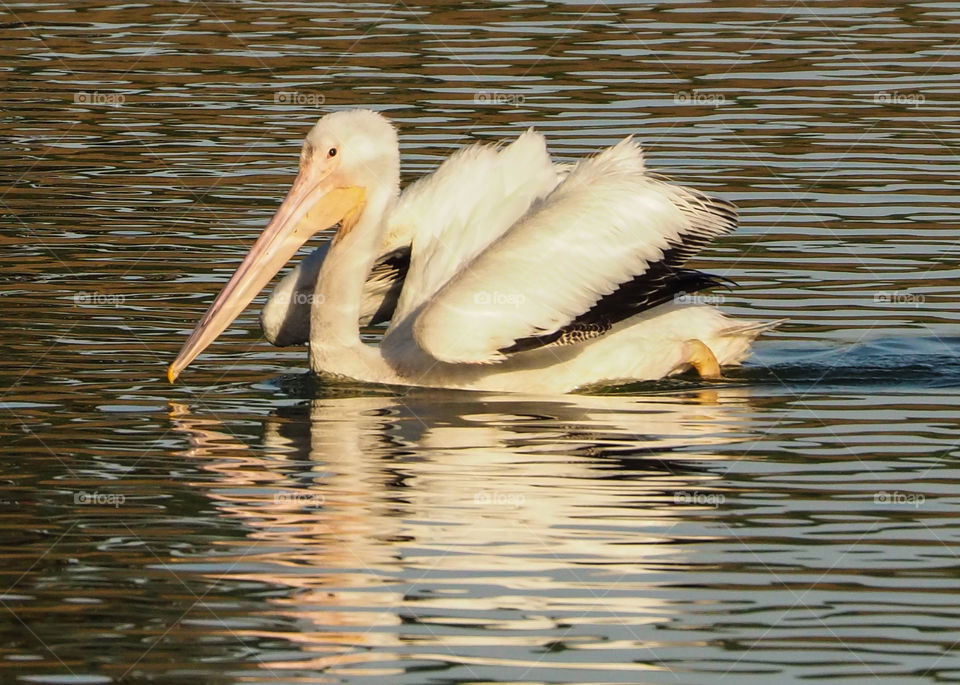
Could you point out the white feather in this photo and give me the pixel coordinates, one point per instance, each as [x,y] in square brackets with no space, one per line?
[463,207]
[606,223]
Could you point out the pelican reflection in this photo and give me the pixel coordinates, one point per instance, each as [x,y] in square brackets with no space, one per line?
[385,525]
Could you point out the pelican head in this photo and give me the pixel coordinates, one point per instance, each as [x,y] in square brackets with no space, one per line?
[350,162]
[356,148]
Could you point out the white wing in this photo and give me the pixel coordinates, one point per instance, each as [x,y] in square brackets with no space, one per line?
[605,225]
[285,317]
[465,205]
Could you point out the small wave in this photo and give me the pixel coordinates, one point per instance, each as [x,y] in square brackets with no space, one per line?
[885,362]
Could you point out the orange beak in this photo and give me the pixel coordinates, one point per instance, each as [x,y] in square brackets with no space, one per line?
[298,218]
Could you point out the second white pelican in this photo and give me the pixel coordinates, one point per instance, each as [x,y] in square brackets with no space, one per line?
[499,271]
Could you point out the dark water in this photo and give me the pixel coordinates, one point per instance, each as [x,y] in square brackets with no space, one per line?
[798,521]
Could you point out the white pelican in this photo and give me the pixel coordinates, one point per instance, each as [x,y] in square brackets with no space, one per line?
[500,271]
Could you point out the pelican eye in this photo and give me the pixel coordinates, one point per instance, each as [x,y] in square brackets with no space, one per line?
[332,152]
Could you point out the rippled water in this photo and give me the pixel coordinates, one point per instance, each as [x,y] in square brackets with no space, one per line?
[797,521]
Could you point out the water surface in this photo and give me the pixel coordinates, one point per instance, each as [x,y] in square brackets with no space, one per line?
[797,521]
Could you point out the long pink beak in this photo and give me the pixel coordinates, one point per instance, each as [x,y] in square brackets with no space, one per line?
[298,218]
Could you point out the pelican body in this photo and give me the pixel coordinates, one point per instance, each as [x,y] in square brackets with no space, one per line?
[499,271]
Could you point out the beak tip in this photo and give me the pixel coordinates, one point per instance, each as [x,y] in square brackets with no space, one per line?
[172,373]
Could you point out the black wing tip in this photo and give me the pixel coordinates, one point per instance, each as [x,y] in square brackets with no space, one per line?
[631,298]
[717,281]
[707,217]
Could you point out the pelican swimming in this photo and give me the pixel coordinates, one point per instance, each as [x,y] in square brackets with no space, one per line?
[500,271]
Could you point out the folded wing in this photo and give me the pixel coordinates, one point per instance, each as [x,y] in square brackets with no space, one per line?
[608,242]
[463,207]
